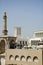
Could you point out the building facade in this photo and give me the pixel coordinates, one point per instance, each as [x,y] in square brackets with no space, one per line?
[17,50]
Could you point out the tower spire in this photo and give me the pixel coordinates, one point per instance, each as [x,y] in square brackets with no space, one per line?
[5,24]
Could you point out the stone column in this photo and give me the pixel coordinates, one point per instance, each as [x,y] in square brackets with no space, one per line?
[0,60]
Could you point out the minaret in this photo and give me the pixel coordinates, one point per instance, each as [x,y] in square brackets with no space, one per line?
[5,24]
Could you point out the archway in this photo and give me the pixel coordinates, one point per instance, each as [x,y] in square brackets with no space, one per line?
[35,59]
[11,57]
[17,58]
[23,58]
[28,58]
[2,46]
[12,44]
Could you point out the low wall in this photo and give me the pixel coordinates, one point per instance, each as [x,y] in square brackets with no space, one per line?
[30,56]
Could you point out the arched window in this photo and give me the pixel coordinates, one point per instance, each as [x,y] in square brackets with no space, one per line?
[28,58]
[23,58]
[12,44]
[17,58]
[2,46]
[11,57]
[35,59]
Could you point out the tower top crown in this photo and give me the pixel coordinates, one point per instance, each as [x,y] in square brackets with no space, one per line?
[4,13]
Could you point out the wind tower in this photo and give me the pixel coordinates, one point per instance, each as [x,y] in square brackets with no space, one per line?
[5,24]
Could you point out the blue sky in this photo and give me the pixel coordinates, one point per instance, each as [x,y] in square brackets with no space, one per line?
[27,14]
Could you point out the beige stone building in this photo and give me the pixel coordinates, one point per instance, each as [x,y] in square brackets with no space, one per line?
[15,50]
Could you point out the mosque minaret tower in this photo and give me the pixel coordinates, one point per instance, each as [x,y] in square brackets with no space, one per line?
[5,24]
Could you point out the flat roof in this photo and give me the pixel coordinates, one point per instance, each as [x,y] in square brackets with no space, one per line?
[39,31]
